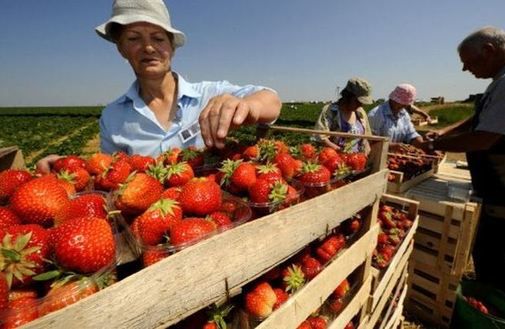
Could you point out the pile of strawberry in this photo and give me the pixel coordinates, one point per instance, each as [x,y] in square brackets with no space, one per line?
[477,304]
[56,247]
[412,161]
[394,225]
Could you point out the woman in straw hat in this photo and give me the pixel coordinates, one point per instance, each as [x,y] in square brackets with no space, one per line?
[161,109]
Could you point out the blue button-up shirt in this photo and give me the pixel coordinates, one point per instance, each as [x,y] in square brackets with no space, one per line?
[398,128]
[128,125]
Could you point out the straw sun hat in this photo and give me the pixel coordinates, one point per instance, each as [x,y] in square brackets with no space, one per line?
[131,11]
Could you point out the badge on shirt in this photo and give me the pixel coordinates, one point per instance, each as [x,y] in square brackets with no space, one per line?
[189,132]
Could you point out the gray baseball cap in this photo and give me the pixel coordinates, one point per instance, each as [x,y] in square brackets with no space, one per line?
[132,11]
[361,89]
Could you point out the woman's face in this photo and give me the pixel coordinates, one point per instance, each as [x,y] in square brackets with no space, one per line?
[148,49]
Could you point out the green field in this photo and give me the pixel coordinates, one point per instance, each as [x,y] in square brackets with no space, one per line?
[39,131]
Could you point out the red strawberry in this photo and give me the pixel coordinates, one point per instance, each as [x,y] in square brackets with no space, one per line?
[270,172]
[221,219]
[66,293]
[329,247]
[85,205]
[190,230]
[138,193]
[156,221]
[314,174]
[141,163]
[179,174]
[98,163]
[193,156]
[259,302]
[4,293]
[304,325]
[38,200]
[335,305]
[244,176]
[171,193]
[293,278]
[342,289]
[382,238]
[350,325]
[357,161]
[264,191]
[326,153]
[22,308]
[286,164]
[117,173]
[282,297]
[8,218]
[10,180]
[67,183]
[318,322]
[69,163]
[310,267]
[84,244]
[217,317]
[200,196]
[152,255]
[24,250]
[251,152]
[79,177]
[170,156]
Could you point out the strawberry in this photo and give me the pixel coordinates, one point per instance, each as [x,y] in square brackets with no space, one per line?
[171,193]
[10,180]
[251,152]
[221,219]
[24,250]
[38,200]
[244,176]
[310,267]
[259,302]
[152,255]
[84,244]
[8,218]
[357,161]
[314,174]
[318,322]
[141,163]
[342,289]
[335,305]
[98,163]
[329,247]
[264,191]
[179,174]
[190,230]
[326,154]
[286,164]
[169,156]
[85,205]
[4,293]
[117,173]
[66,181]
[156,221]
[282,297]
[293,278]
[270,172]
[69,163]
[65,293]
[304,325]
[200,196]
[382,238]
[78,177]
[349,325]
[138,193]
[352,225]
[22,308]
[217,317]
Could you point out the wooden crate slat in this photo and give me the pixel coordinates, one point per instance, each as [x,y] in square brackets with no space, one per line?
[11,157]
[396,317]
[316,291]
[398,185]
[187,281]
[355,305]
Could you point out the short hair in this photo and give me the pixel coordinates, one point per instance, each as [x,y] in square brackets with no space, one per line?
[487,34]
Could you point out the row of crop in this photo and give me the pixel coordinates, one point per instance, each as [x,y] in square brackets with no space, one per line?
[52,111]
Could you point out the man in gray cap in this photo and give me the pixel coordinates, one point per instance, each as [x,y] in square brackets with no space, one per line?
[347,115]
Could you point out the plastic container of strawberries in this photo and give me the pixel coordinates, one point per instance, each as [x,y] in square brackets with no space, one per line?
[260,209]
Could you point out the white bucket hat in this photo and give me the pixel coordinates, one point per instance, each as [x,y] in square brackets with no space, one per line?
[131,11]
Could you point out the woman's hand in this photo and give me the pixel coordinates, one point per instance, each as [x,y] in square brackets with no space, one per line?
[44,165]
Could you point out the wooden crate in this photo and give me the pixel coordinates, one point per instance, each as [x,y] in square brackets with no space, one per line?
[383,279]
[11,158]
[396,318]
[446,228]
[431,295]
[316,291]
[399,186]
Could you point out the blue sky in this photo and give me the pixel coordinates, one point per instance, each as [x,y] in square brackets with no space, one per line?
[50,54]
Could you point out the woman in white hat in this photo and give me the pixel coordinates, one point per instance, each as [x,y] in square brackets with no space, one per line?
[161,110]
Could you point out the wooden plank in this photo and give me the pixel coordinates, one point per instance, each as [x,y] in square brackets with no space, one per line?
[199,275]
[398,188]
[355,305]
[396,317]
[11,158]
[316,291]
[378,306]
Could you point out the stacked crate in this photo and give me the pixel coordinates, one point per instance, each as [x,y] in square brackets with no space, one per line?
[389,286]
[442,250]
[218,267]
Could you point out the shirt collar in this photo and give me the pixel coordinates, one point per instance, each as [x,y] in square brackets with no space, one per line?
[389,112]
[185,89]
